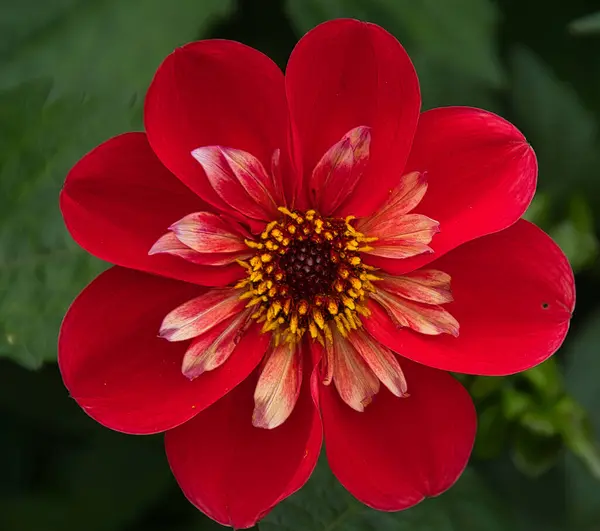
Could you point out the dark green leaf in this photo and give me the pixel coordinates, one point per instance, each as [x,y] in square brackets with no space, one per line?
[582,369]
[457,34]
[586,25]
[562,132]
[324,505]
[78,72]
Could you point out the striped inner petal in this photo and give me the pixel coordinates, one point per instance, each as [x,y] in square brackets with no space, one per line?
[241,181]
[200,314]
[278,386]
[354,380]
[213,348]
[429,319]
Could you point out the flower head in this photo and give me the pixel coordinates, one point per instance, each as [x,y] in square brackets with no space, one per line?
[303,258]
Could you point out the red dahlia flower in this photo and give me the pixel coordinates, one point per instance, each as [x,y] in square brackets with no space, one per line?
[303,257]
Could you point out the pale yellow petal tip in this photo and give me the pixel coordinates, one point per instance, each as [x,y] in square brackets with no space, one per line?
[191,368]
[259,420]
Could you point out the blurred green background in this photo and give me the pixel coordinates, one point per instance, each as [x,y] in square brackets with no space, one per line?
[74,72]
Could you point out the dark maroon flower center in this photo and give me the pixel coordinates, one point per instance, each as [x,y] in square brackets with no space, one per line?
[308,268]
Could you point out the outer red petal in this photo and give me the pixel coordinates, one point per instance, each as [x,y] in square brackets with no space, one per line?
[513,297]
[236,473]
[215,93]
[400,450]
[481,174]
[121,373]
[119,199]
[344,74]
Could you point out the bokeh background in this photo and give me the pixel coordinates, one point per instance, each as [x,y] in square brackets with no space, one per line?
[74,72]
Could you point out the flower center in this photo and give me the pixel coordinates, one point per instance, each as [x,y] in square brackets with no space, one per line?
[308,268]
[308,275]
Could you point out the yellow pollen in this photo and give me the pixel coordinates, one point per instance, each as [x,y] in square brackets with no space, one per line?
[307,276]
[318,318]
[253,245]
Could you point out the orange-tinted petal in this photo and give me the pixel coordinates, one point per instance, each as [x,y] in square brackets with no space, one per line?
[354,380]
[200,314]
[205,232]
[403,237]
[278,386]
[213,348]
[424,318]
[382,361]
[406,196]
[428,286]
[169,244]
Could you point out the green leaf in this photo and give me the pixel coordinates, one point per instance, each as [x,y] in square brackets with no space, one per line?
[561,130]
[484,386]
[586,25]
[575,235]
[74,74]
[546,379]
[493,431]
[515,403]
[582,369]
[107,47]
[324,505]
[534,454]
[458,34]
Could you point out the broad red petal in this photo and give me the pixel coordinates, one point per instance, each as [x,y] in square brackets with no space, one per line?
[401,450]
[119,199]
[215,93]
[121,373]
[236,473]
[513,298]
[344,74]
[481,175]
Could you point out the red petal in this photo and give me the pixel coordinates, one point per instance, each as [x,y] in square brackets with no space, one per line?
[119,200]
[400,450]
[339,170]
[215,93]
[197,316]
[344,74]
[121,373]
[513,297]
[240,180]
[481,177]
[236,473]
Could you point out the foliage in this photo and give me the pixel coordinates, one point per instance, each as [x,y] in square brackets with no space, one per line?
[66,88]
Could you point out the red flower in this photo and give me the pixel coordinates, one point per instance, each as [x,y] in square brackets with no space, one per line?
[303,257]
